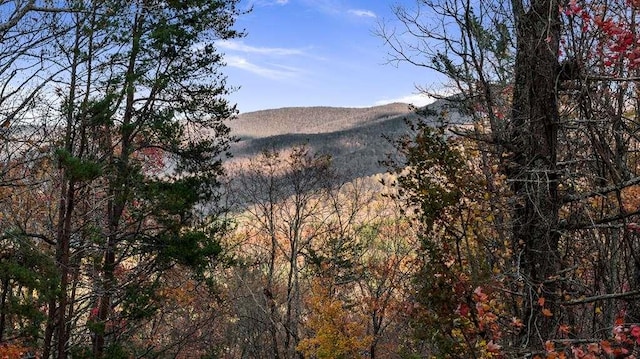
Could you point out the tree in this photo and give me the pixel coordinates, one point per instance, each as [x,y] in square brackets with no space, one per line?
[28,30]
[349,274]
[536,80]
[336,333]
[134,116]
[286,199]
[454,306]
[385,272]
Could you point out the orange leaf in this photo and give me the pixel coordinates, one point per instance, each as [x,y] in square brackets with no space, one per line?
[541,301]
[549,346]
[593,348]
[547,313]
[516,322]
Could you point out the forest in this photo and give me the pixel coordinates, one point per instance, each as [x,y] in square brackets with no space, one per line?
[123,234]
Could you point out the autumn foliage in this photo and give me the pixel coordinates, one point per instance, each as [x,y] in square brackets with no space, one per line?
[508,225]
[335,332]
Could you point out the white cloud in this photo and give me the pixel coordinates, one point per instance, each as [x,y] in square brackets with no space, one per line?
[275,73]
[418,100]
[268,2]
[337,8]
[327,6]
[272,51]
[362,13]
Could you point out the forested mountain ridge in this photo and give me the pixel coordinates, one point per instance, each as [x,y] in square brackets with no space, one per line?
[317,119]
[353,137]
[357,139]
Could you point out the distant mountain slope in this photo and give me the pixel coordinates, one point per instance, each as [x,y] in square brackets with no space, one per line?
[311,120]
[354,137]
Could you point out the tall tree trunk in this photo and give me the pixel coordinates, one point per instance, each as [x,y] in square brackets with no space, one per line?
[3,305]
[120,188]
[533,174]
[64,239]
[57,324]
[273,330]
[289,342]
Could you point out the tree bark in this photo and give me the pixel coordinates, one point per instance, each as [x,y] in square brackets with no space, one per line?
[532,173]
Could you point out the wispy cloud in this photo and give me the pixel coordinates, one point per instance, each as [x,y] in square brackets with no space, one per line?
[272,51]
[268,2]
[276,72]
[327,6]
[337,8]
[414,99]
[362,13]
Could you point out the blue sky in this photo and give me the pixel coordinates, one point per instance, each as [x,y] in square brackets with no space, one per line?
[317,53]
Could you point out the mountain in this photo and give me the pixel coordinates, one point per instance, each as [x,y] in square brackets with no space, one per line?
[354,137]
[310,120]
